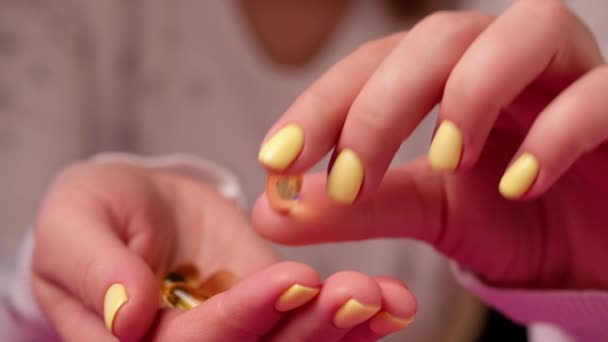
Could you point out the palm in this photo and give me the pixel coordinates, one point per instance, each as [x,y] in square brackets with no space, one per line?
[235,247]
[542,242]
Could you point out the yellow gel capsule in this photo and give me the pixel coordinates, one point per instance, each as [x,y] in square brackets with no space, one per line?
[178,288]
[182,288]
[217,283]
[283,191]
[182,296]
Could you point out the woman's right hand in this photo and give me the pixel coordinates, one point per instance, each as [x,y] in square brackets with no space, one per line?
[106,224]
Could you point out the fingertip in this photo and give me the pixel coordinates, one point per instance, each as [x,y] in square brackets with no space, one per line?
[267,222]
[256,304]
[131,302]
[353,298]
[290,271]
[399,307]
[300,285]
[303,222]
[398,299]
[282,148]
[273,285]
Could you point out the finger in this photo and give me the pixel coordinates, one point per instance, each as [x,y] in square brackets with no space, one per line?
[398,310]
[403,206]
[110,279]
[70,319]
[404,89]
[246,312]
[316,117]
[574,124]
[533,42]
[414,202]
[80,249]
[346,300]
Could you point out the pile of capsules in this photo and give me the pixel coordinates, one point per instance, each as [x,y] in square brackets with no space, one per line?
[183,289]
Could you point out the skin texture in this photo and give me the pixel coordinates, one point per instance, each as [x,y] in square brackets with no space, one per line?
[109,223]
[531,80]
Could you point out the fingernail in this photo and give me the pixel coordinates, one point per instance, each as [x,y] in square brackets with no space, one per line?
[296,295]
[446,147]
[282,148]
[345,177]
[353,312]
[519,176]
[116,297]
[386,323]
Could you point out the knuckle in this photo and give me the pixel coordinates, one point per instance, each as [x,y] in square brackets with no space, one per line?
[320,101]
[371,119]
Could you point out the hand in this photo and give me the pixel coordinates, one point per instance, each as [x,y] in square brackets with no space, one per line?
[525,92]
[105,224]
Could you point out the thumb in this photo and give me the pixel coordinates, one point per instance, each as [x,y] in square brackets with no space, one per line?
[82,250]
[407,204]
[466,220]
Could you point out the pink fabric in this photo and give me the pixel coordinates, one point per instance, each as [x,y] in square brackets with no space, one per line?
[582,314]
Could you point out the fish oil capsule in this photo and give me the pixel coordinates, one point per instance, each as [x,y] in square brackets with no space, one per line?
[179,288]
[219,282]
[182,296]
[183,289]
[283,191]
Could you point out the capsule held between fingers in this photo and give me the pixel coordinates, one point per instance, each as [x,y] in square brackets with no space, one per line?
[283,191]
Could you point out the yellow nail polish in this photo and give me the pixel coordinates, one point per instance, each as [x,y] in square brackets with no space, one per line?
[519,176]
[346,177]
[282,148]
[446,148]
[115,298]
[386,323]
[353,312]
[295,296]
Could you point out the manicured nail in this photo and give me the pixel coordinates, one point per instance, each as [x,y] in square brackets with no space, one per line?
[386,323]
[446,148]
[345,177]
[353,312]
[519,176]
[296,295]
[282,148]
[116,297]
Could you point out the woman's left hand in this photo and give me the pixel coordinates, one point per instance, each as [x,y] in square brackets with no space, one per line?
[107,233]
[514,187]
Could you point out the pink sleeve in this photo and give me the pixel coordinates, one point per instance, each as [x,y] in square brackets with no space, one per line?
[20,317]
[580,315]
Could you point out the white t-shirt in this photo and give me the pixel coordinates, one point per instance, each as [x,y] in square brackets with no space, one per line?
[155,77]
